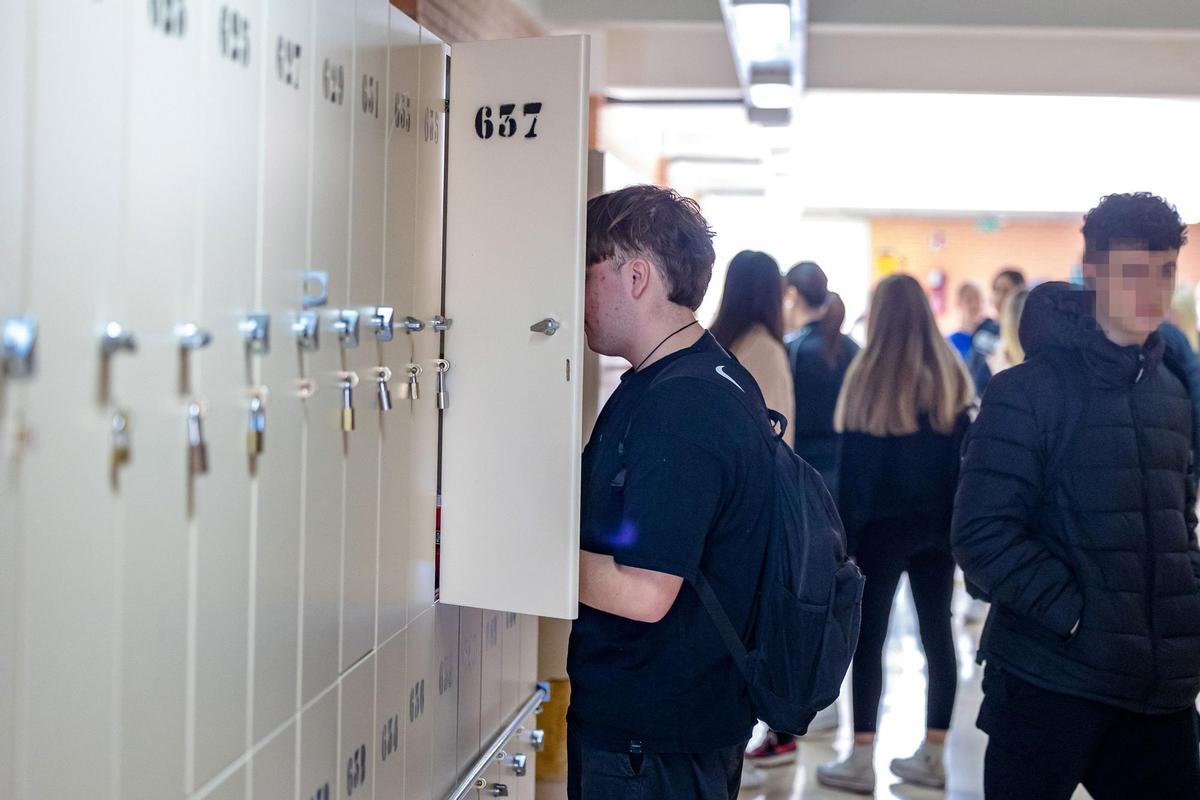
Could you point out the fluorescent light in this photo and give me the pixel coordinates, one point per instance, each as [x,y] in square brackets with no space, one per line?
[772,95]
[762,30]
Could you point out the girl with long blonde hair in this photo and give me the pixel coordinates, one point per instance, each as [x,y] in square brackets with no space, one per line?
[903,411]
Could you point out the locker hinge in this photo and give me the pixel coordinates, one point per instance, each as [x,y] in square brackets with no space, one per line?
[446,105]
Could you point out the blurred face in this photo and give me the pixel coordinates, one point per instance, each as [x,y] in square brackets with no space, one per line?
[1133,289]
[1002,287]
[970,304]
[607,308]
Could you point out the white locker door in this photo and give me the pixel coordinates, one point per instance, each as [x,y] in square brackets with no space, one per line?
[391,717]
[332,84]
[13,54]
[400,224]
[470,682]
[514,261]
[361,540]
[420,680]
[529,654]
[319,748]
[491,682]
[286,104]
[356,740]
[511,694]
[443,700]
[425,346]
[69,572]
[158,287]
[273,767]
[233,65]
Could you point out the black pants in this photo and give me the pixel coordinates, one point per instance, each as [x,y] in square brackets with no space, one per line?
[882,559]
[594,774]
[1042,745]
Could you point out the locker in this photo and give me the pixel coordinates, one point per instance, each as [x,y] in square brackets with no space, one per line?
[361,538]
[421,681]
[443,703]
[356,740]
[512,693]
[273,767]
[525,785]
[231,787]
[491,677]
[319,748]
[331,82]
[224,375]
[518,114]
[284,211]
[69,581]
[391,717]
[427,302]
[529,655]
[13,40]
[470,682]
[400,225]
[158,287]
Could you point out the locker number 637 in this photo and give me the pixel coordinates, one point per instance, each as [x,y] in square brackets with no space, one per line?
[504,123]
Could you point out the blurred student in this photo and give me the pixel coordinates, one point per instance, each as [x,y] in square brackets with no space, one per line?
[819,355]
[904,411]
[749,324]
[1007,282]
[1009,352]
[977,337]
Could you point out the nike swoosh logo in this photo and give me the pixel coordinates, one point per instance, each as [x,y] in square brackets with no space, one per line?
[721,372]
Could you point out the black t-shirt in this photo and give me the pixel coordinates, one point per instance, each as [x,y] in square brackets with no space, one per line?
[676,480]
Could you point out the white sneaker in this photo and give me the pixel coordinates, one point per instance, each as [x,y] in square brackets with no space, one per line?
[825,721]
[752,776]
[855,774]
[923,768]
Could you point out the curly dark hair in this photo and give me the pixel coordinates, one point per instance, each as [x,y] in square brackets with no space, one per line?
[1140,219]
[660,225]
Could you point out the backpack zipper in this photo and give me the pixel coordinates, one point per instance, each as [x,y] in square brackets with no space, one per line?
[1150,560]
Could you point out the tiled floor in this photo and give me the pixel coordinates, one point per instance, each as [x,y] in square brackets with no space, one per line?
[902,720]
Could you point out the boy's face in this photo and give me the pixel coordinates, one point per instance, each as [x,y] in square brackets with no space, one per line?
[1133,286]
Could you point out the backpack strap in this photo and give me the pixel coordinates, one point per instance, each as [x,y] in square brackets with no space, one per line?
[729,634]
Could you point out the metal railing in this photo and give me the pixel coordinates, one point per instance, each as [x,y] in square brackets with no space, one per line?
[472,780]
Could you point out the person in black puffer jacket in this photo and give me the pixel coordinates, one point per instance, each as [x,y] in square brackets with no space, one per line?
[1075,515]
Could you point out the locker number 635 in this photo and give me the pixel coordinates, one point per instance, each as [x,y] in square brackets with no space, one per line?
[504,123]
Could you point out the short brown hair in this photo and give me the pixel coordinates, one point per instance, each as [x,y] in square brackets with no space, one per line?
[661,226]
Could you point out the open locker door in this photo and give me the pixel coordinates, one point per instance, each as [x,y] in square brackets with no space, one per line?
[515,187]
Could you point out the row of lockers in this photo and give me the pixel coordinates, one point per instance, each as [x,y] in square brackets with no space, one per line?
[197,541]
[407,720]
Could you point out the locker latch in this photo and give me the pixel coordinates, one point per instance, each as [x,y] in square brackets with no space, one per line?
[307,328]
[383,323]
[18,339]
[548,326]
[537,738]
[256,328]
[518,764]
[346,325]
[440,324]
[113,339]
[191,338]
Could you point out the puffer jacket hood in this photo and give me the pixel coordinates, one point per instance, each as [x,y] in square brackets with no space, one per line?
[1062,316]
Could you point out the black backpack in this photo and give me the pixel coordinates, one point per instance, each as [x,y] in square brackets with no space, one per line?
[808,607]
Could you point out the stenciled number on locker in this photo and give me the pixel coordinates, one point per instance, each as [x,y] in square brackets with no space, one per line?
[287,61]
[389,740]
[505,125]
[334,80]
[356,770]
[322,793]
[416,701]
[235,36]
[169,16]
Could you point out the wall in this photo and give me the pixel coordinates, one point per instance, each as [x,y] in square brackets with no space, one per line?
[1044,250]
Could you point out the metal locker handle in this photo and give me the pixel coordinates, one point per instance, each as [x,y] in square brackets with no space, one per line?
[548,326]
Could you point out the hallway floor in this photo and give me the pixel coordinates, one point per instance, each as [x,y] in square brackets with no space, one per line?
[901,725]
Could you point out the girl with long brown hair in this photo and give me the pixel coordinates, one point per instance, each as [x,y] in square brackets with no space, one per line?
[903,411]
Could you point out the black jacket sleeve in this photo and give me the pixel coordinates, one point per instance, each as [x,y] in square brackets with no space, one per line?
[999,492]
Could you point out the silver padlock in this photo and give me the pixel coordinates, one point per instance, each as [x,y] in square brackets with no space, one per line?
[443,398]
[197,447]
[382,376]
